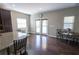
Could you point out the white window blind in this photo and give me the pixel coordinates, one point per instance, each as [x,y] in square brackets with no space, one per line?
[68,22]
[21,22]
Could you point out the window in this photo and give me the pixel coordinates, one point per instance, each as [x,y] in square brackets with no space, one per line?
[21,26]
[68,22]
[21,23]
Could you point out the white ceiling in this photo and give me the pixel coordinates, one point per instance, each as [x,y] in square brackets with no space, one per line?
[31,8]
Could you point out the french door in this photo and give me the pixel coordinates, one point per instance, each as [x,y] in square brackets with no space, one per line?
[42,26]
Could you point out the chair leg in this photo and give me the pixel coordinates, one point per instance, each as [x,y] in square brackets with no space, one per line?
[25,53]
[8,50]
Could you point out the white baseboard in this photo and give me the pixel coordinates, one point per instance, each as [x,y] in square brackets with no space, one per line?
[51,36]
[32,32]
[47,34]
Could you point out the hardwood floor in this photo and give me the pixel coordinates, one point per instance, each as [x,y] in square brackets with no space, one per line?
[44,45]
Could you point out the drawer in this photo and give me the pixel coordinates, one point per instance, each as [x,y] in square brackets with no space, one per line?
[7,34]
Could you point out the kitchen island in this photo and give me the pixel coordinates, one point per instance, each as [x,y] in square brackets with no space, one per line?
[6,39]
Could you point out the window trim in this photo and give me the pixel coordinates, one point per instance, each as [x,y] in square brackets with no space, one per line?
[21,23]
[69,23]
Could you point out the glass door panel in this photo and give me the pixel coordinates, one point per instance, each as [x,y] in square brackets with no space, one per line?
[38,26]
[44,26]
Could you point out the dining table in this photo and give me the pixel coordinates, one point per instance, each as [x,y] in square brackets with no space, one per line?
[71,36]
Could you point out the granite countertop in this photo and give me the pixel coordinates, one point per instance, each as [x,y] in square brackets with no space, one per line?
[7,39]
[21,35]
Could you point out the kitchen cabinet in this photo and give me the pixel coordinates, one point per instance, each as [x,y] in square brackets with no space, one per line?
[5,21]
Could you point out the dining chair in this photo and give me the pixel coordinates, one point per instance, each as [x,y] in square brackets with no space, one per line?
[76,40]
[59,34]
[20,46]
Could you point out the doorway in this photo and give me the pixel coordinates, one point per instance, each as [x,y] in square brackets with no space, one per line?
[41,26]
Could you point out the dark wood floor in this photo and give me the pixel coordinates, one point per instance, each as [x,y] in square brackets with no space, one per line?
[44,45]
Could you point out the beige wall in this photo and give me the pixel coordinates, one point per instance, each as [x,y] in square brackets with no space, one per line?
[14,16]
[56,19]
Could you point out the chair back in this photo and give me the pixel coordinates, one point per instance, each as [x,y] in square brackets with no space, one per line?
[20,46]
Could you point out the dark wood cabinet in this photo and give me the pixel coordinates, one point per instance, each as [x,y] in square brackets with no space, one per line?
[5,21]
